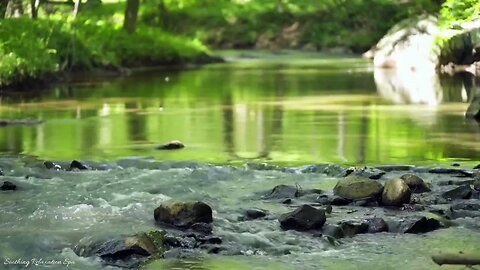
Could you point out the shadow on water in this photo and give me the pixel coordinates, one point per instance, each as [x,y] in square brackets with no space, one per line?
[288,110]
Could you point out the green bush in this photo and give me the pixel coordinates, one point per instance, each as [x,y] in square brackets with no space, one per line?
[30,49]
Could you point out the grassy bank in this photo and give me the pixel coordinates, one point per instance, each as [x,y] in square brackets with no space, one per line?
[353,25]
[32,50]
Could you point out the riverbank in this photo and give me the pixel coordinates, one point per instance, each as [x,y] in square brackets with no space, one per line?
[329,26]
[45,50]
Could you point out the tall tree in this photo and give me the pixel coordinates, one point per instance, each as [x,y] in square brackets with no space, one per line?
[131,13]
[3,8]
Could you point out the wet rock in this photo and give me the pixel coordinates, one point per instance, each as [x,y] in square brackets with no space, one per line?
[283,192]
[1,171]
[333,170]
[303,218]
[202,227]
[127,251]
[173,145]
[376,225]
[455,182]
[456,172]
[339,201]
[371,202]
[476,185]
[415,183]
[351,228]
[334,231]
[357,188]
[471,206]
[16,122]
[396,193]
[183,214]
[464,209]
[368,172]
[461,192]
[391,168]
[78,165]
[7,185]
[262,167]
[254,213]
[418,225]
[52,166]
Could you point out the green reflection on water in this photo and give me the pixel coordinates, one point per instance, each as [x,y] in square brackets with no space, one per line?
[285,110]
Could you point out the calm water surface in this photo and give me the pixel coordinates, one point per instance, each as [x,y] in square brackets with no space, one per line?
[287,108]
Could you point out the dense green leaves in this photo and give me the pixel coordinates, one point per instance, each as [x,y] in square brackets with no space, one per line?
[32,49]
[455,11]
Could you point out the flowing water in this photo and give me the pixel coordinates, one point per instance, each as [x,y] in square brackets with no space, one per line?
[284,109]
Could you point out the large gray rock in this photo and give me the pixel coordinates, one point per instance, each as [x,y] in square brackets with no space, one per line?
[357,188]
[183,214]
[415,183]
[396,193]
[408,45]
[303,218]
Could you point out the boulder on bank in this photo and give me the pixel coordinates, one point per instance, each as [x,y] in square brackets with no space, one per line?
[303,218]
[396,193]
[357,188]
[415,183]
[183,214]
[407,45]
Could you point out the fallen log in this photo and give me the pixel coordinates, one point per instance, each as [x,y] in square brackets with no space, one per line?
[456,259]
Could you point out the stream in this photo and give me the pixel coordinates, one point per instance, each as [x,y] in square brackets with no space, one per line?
[249,125]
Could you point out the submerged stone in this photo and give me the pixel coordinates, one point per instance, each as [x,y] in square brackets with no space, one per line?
[52,166]
[368,172]
[173,145]
[303,218]
[417,225]
[78,165]
[283,192]
[376,225]
[7,185]
[125,252]
[254,213]
[351,228]
[461,192]
[183,214]
[357,188]
[396,193]
[415,183]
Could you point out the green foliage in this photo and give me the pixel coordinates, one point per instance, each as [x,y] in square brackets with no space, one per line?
[31,49]
[455,11]
[353,24]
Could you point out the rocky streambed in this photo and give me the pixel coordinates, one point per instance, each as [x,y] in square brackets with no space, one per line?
[139,212]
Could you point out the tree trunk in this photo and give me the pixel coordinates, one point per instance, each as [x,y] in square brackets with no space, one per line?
[131,12]
[34,4]
[75,8]
[16,8]
[3,8]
